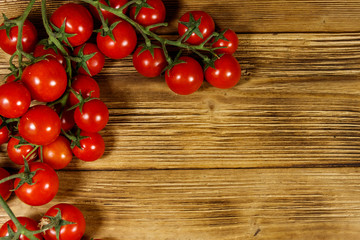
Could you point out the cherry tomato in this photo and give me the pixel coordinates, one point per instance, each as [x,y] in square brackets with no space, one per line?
[92,147]
[41,50]
[45,185]
[94,64]
[149,16]
[230,45]
[78,21]
[227,72]
[15,100]
[67,120]
[206,27]
[10,78]
[147,64]
[57,154]
[86,85]
[17,155]
[4,134]
[125,41]
[67,232]
[40,125]
[185,78]
[29,38]
[93,117]
[29,224]
[5,187]
[116,4]
[46,80]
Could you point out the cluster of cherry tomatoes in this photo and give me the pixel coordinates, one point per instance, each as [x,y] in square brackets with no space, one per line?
[46,114]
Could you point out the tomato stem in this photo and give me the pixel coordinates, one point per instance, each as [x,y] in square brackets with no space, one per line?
[20,228]
[18,175]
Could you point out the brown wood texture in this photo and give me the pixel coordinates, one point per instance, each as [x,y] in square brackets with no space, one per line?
[276,157]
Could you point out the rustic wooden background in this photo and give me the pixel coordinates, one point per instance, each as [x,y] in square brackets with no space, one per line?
[276,157]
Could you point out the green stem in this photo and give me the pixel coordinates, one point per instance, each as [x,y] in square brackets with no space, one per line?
[19,175]
[31,152]
[20,228]
[54,40]
[149,34]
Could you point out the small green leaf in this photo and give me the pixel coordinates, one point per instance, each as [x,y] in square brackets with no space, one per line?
[192,27]
[139,6]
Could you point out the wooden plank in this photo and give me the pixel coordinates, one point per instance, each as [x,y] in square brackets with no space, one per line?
[212,204]
[247,16]
[297,105]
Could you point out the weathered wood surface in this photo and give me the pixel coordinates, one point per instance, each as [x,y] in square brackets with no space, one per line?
[217,204]
[275,157]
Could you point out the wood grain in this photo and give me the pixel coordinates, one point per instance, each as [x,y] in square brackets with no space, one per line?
[256,16]
[297,105]
[212,204]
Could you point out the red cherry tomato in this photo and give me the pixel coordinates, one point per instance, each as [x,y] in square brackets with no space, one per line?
[15,100]
[93,117]
[46,80]
[29,224]
[45,185]
[94,64]
[147,64]
[40,50]
[92,148]
[206,27]
[230,45]
[86,85]
[29,38]
[57,154]
[116,4]
[5,187]
[10,78]
[67,232]
[17,155]
[40,125]
[185,78]
[67,120]
[4,134]
[125,41]
[227,72]
[149,16]
[78,21]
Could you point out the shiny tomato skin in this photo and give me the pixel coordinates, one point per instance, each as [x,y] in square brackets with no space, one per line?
[46,80]
[57,154]
[41,51]
[229,46]
[29,224]
[92,148]
[185,78]
[15,99]
[78,21]
[4,134]
[149,16]
[6,187]
[44,189]
[227,72]
[207,26]
[67,232]
[40,125]
[67,120]
[146,64]
[93,117]
[86,85]
[17,155]
[29,38]
[108,15]
[94,64]
[124,44]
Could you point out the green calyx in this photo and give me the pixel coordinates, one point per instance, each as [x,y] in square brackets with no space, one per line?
[7,25]
[55,222]
[193,27]
[150,48]
[139,5]
[26,176]
[60,33]
[82,59]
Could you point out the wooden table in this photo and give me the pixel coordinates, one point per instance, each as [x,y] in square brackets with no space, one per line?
[276,157]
